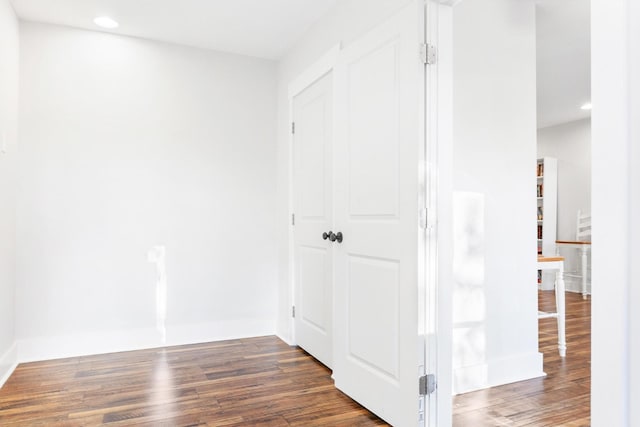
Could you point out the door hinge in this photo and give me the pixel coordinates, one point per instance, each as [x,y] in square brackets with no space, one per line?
[428,54]
[293,127]
[293,311]
[427,384]
[293,219]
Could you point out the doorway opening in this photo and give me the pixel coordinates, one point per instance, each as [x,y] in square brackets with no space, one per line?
[547,46]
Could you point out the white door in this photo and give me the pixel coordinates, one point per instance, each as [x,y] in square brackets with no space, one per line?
[378,351]
[313,207]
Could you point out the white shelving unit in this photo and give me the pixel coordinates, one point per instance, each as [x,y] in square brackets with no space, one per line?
[547,213]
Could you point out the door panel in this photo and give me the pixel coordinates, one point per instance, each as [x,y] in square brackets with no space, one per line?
[313,207]
[313,263]
[373,122]
[373,327]
[377,164]
[310,142]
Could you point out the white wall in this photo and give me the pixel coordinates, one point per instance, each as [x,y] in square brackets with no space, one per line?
[570,143]
[127,144]
[615,342]
[495,323]
[9,65]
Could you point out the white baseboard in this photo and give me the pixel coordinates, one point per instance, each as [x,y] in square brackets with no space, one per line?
[497,372]
[286,340]
[101,342]
[8,363]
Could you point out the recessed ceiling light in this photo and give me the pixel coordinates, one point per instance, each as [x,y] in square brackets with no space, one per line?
[106,22]
[586,106]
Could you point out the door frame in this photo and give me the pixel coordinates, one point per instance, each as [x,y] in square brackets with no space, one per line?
[439,191]
[313,73]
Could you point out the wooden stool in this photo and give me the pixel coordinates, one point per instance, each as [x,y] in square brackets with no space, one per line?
[556,263]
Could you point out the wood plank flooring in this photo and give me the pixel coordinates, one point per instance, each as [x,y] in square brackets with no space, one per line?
[249,382]
[264,382]
[562,398]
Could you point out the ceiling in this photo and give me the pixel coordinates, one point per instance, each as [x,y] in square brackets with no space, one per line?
[268,28]
[564,60]
[259,28]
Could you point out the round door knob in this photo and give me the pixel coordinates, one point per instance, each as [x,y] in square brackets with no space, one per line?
[326,235]
[333,237]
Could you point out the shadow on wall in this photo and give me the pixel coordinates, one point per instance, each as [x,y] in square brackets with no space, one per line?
[469,302]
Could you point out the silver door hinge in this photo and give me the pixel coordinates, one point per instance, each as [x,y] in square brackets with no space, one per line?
[293,311]
[427,384]
[428,54]
[293,127]
[293,219]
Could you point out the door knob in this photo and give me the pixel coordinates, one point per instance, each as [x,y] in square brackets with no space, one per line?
[333,237]
[326,235]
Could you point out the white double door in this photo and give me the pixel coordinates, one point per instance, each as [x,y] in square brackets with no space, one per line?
[357,153]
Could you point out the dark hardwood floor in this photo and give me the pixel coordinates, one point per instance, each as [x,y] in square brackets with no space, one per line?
[249,382]
[562,398]
[264,382]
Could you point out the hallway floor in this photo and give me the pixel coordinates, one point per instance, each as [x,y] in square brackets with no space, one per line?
[562,398]
[264,382]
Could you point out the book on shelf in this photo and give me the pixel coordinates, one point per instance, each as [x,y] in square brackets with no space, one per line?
[540,216]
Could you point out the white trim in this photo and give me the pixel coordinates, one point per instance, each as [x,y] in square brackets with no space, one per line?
[313,73]
[285,340]
[436,260]
[633,17]
[85,344]
[612,166]
[8,363]
[444,189]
